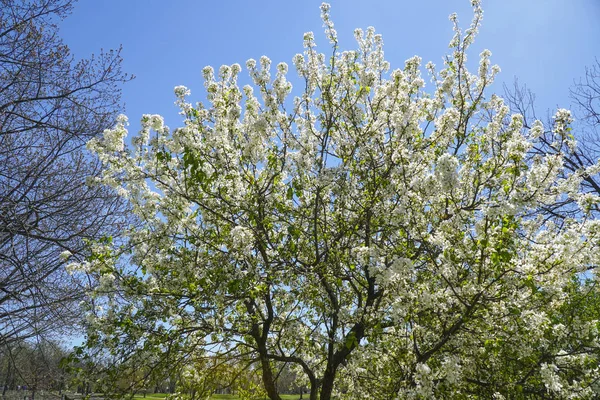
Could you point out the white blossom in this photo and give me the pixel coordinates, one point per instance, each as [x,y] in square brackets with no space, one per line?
[65,255]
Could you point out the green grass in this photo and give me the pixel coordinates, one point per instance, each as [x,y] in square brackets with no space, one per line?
[155,396]
[234,397]
[151,396]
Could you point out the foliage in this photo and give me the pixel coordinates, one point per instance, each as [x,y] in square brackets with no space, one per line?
[381,239]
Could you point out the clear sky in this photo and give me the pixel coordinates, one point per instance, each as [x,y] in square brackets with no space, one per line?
[545,43]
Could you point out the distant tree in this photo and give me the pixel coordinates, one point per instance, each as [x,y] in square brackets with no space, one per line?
[50,105]
[383,240]
[35,365]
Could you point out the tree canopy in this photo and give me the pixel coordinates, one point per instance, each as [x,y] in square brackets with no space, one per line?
[380,236]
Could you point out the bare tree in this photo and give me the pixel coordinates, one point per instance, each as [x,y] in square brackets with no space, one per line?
[585,131]
[586,96]
[50,105]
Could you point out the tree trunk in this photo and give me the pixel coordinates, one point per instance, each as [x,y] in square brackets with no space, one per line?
[314,392]
[8,372]
[267,376]
[352,340]
[328,379]
[260,337]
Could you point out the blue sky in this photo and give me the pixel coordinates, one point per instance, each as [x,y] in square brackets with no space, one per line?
[545,43]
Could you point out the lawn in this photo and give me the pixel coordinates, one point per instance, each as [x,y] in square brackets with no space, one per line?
[155,396]
[234,397]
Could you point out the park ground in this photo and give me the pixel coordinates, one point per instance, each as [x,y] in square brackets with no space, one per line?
[157,396]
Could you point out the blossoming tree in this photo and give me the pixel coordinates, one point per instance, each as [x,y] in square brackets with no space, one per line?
[377,235]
